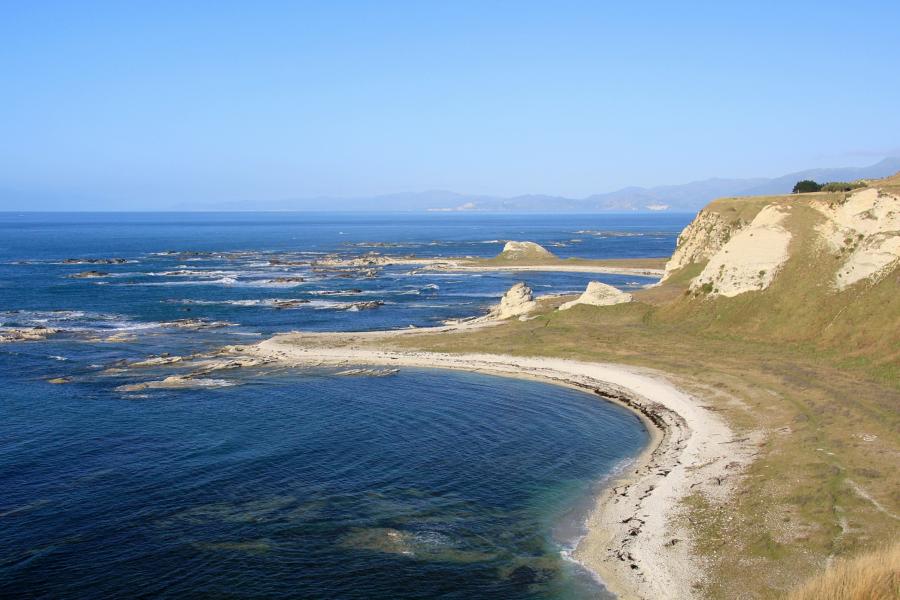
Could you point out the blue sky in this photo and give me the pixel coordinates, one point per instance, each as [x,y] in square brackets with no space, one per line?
[143,104]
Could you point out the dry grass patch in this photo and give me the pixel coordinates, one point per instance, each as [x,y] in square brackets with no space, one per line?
[872,576]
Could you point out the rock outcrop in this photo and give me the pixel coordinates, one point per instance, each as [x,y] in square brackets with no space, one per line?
[524,251]
[700,240]
[26,334]
[174,382]
[516,302]
[751,257]
[864,230]
[598,294]
[95,261]
[365,305]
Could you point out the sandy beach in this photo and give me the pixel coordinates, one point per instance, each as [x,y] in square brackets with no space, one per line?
[609,270]
[635,541]
[469,264]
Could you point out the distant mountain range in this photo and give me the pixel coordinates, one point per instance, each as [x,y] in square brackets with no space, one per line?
[687,197]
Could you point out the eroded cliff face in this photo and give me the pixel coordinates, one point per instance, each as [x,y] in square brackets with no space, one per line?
[750,259]
[700,240]
[865,232]
[861,229]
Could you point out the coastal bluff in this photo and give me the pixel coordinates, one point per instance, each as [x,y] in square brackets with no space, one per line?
[740,245]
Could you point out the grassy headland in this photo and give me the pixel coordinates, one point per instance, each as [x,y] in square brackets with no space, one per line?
[817,369]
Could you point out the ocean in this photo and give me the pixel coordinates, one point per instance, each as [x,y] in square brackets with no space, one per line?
[277,483]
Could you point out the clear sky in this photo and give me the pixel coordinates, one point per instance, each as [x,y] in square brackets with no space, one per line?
[143,104]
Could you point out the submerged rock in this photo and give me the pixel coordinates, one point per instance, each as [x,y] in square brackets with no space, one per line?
[420,545]
[598,294]
[290,303]
[371,259]
[87,275]
[174,382]
[253,546]
[26,334]
[198,324]
[117,338]
[156,361]
[262,510]
[539,572]
[368,304]
[339,292]
[241,362]
[368,372]
[95,261]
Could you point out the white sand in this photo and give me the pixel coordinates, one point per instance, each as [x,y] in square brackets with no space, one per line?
[630,532]
[469,264]
[461,267]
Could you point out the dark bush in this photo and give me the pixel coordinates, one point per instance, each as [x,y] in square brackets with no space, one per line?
[806,186]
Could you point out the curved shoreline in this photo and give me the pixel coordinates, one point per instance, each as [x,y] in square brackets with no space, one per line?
[634,540]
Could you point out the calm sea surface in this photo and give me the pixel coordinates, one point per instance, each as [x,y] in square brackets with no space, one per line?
[300,484]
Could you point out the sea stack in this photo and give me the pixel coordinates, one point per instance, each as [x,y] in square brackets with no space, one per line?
[516,302]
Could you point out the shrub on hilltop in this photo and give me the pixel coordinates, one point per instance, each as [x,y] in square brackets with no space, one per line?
[806,186]
[843,186]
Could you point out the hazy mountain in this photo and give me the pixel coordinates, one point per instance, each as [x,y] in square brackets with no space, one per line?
[783,184]
[687,197]
[695,195]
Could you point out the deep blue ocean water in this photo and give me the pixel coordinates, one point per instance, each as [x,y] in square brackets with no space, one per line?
[290,483]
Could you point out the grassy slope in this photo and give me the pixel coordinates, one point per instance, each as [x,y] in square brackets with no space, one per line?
[859,326]
[817,370]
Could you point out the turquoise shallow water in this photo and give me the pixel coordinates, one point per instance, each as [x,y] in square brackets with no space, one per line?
[286,484]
